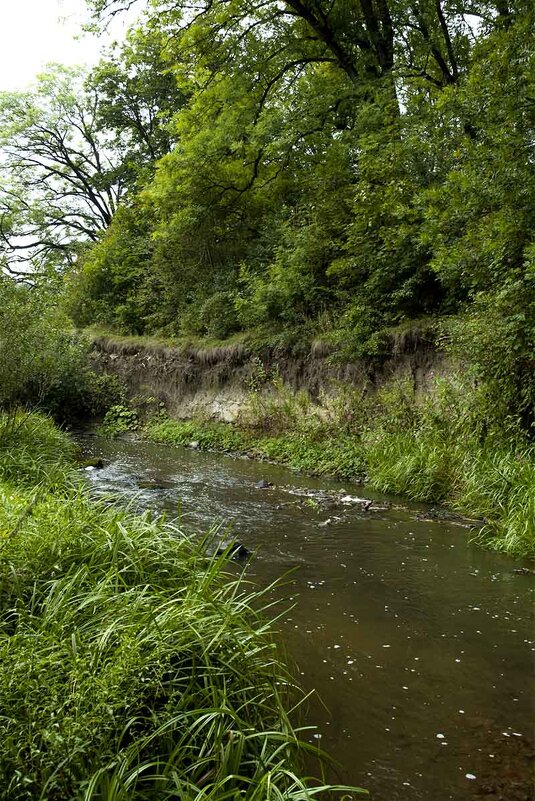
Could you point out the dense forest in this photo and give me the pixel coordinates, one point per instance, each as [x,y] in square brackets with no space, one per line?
[299,169]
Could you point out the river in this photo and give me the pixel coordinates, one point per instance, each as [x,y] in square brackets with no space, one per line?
[419,644]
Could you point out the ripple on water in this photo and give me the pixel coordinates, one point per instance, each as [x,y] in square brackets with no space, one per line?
[419,644]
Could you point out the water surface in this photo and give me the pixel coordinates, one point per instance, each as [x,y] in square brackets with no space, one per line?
[420,645]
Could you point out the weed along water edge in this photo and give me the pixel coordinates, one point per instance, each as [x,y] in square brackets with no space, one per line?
[419,644]
[133,666]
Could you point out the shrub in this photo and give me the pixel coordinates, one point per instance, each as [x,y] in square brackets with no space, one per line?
[119,420]
[217,316]
[44,364]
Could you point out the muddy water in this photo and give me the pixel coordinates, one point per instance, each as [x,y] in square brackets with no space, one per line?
[420,645]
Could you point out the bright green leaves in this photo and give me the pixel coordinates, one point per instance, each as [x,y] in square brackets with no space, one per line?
[480,217]
[350,166]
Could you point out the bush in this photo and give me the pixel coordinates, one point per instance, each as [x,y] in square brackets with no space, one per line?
[44,364]
[217,316]
[497,342]
[119,420]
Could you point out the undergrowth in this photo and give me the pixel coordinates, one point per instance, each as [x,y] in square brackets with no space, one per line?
[444,447]
[33,451]
[132,666]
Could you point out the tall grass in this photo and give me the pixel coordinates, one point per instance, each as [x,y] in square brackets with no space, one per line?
[32,450]
[499,486]
[444,447]
[132,667]
[451,454]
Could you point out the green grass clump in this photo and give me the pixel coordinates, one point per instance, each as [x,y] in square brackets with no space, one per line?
[32,450]
[217,436]
[132,666]
[413,464]
[495,484]
[341,457]
[499,486]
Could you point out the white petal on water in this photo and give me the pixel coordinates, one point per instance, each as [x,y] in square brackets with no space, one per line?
[469,775]
[440,736]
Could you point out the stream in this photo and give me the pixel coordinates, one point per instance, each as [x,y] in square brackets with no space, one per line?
[420,646]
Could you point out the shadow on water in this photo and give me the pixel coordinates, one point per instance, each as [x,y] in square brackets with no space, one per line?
[420,645]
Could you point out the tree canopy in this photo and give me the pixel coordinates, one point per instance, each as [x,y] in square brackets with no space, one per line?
[314,167]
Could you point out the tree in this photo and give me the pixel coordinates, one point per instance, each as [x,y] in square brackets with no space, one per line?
[61,177]
[137,96]
[328,154]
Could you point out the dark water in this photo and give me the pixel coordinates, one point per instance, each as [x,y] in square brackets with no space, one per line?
[420,645]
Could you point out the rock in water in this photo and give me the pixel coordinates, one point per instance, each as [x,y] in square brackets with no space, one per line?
[263,484]
[93,464]
[233,548]
[353,499]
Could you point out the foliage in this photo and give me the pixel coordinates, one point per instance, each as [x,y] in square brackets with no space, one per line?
[497,339]
[350,166]
[60,182]
[118,420]
[108,285]
[137,95]
[44,364]
[217,316]
[134,668]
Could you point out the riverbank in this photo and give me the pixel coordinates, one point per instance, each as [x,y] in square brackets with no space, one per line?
[413,425]
[132,666]
[432,465]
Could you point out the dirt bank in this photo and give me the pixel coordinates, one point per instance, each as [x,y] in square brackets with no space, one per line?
[217,382]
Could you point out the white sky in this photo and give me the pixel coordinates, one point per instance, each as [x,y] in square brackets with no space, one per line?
[36,32]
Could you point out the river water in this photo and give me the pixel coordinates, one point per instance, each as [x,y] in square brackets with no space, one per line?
[419,645]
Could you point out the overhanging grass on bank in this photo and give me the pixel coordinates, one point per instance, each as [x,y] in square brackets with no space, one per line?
[341,458]
[422,454]
[131,667]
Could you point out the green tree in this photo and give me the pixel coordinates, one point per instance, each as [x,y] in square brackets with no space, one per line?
[137,96]
[61,182]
